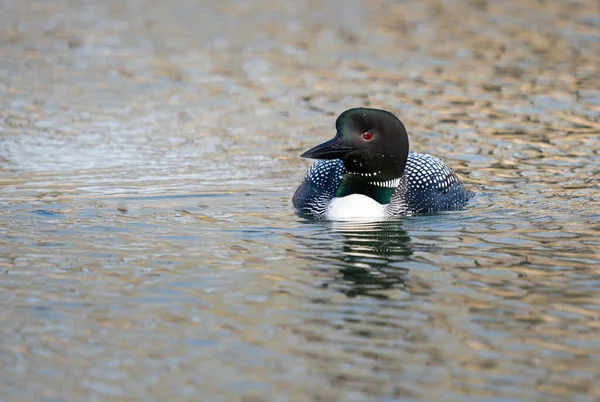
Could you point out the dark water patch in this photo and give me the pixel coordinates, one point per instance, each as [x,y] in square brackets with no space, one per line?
[46,213]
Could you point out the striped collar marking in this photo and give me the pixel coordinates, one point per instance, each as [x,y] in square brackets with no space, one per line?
[389,183]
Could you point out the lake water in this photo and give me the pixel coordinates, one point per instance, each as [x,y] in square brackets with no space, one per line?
[148,246]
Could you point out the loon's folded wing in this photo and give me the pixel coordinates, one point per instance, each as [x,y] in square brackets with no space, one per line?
[428,185]
[318,187]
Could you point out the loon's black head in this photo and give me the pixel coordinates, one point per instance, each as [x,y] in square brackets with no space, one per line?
[370,142]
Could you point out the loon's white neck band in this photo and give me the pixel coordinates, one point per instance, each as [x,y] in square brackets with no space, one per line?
[393,183]
[388,183]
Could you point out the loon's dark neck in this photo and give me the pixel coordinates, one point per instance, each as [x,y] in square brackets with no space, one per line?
[356,184]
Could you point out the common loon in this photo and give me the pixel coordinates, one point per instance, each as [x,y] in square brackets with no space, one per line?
[367,172]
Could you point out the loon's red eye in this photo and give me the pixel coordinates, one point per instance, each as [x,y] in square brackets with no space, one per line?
[367,136]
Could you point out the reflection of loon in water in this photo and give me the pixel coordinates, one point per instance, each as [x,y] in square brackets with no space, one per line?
[368,259]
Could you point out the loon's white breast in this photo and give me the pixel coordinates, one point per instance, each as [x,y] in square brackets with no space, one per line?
[355,207]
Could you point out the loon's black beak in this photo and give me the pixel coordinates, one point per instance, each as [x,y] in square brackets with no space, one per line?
[332,149]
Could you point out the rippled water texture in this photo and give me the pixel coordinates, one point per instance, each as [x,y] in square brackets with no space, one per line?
[149,250]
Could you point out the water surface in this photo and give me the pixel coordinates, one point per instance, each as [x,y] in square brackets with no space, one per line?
[149,250]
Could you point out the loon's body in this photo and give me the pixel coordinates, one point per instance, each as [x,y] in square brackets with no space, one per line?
[428,185]
[368,173]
